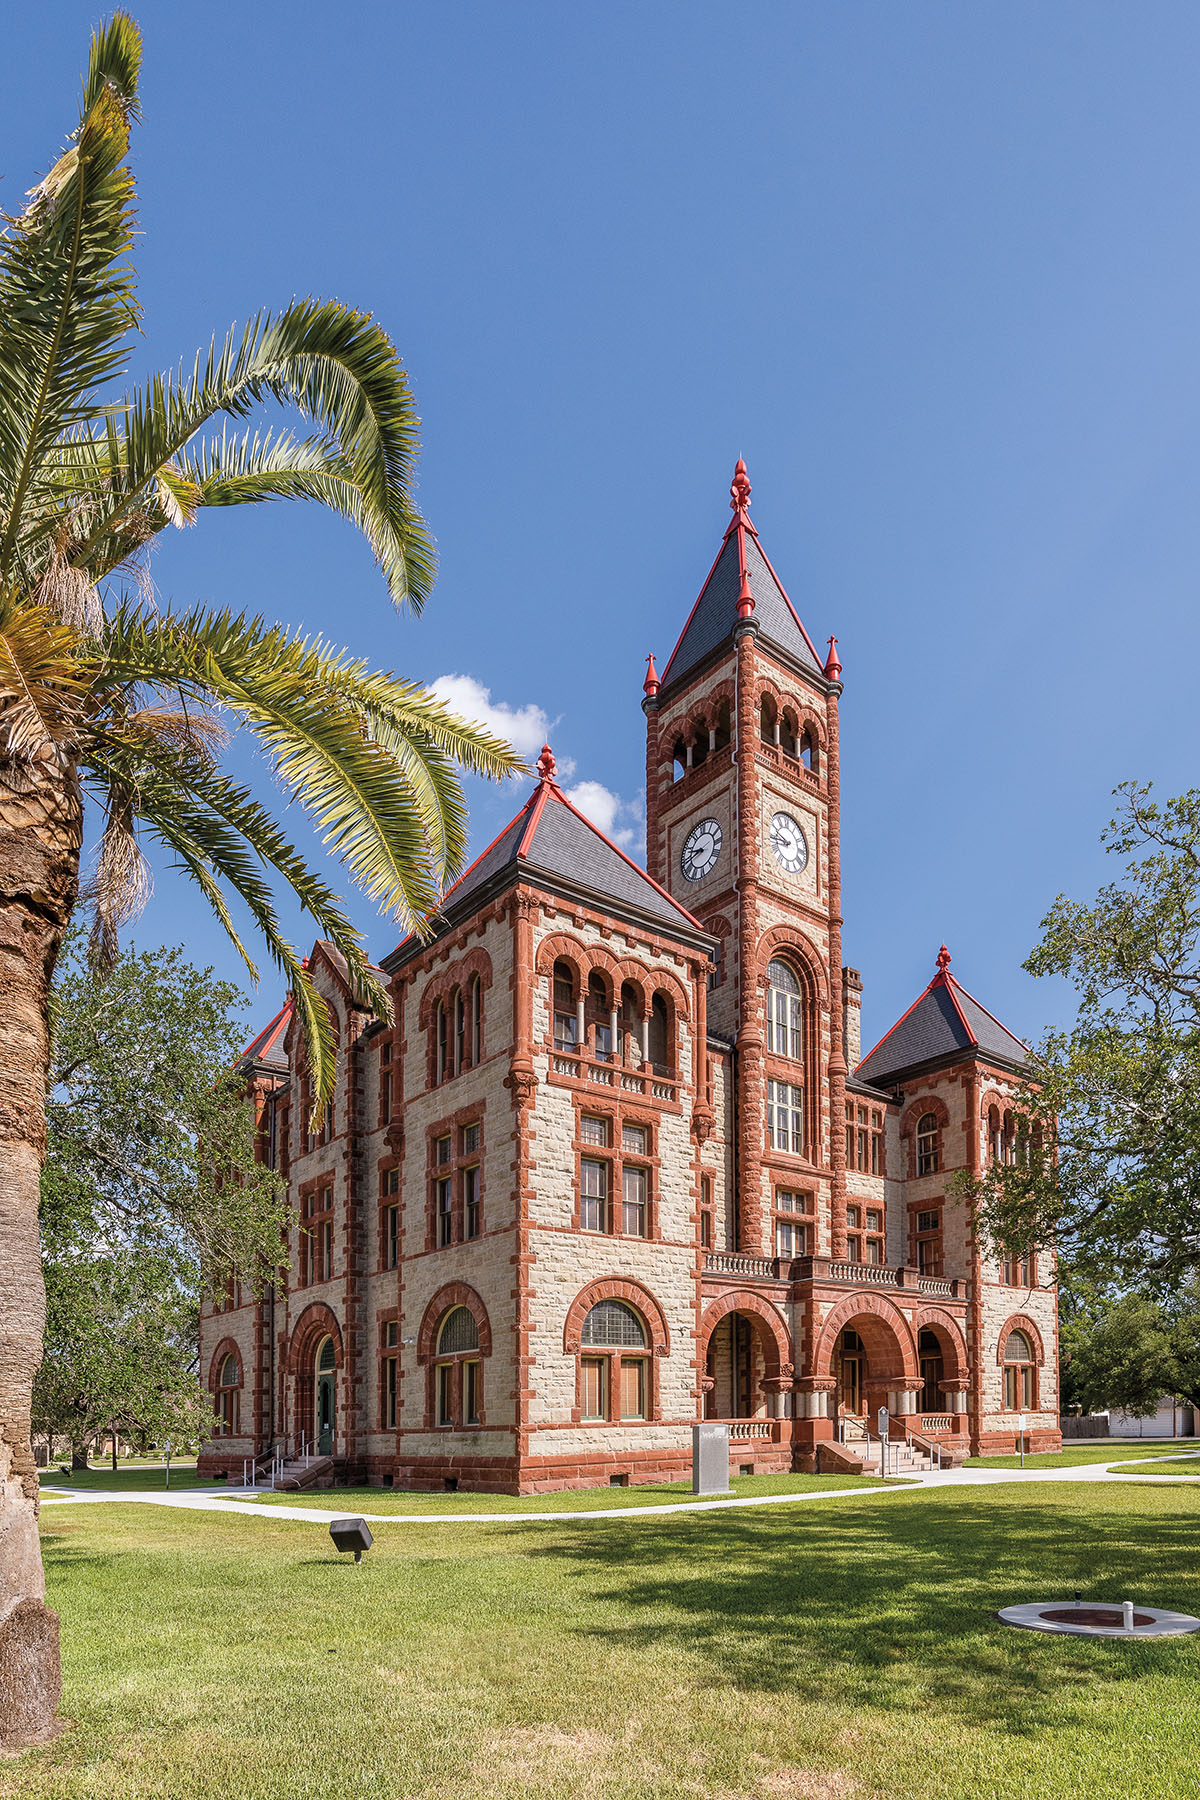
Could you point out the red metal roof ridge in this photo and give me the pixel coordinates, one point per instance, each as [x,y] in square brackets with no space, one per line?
[695,603]
[475,861]
[943,978]
[535,814]
[991,1015]
[899,1022]
[269,1032]
[787,602]
[592,826]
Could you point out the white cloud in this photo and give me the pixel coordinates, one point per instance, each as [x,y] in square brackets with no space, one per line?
[606,809]
[526,728]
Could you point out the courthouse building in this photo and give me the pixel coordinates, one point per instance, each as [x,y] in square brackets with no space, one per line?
[619,1164]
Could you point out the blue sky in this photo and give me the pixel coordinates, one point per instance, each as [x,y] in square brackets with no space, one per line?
[933,270]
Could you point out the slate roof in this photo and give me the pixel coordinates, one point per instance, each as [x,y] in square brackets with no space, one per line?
[267,1049]
[552,840]
[714,615]
[945,1021]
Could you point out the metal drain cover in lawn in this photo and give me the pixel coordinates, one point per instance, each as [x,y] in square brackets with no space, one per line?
[1094,1619]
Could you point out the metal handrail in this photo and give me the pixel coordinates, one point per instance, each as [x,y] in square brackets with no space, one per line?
[926,1445]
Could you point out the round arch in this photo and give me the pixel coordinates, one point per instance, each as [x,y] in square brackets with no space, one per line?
[950,1337]
[633,1294]
[782,940]
[315,1322]
[773,1332]
[455,1293]
[1021,1322]
[227,1347]
[459,973]
[890,1343]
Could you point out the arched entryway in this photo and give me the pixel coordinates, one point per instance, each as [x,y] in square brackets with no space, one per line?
[867,1347]
[933,1371]
[746,1356]
[325,1386]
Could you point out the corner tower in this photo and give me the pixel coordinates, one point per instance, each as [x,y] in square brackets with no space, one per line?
[742,827]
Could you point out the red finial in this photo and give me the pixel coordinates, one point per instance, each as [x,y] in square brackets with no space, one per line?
[944,960]
[745,600]
[651,684]
[739,488]
[547,768]
[833,667]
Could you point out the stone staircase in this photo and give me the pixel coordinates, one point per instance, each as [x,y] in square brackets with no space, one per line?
[304,1472]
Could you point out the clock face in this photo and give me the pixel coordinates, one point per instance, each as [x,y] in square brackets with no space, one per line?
[789,843]
[702,849]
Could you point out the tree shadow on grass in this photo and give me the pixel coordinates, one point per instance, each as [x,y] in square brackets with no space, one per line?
[894,1608]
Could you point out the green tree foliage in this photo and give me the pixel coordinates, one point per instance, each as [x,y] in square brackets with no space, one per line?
[151,1196]
[1109,1162]
[1130,1353]
[150,1135]
[120,1350]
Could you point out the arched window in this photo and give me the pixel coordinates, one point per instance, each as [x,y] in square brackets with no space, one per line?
[460,1031]
[659,1037]
[1019,1373]
[679,762]
[566,1019]
[441,1043]
[785,1012]
[995,1135]
[700,743]
[631,1026]
[613,1384]
[476,1022]
[327,1357]
[787,734]
[724,730]
[768,721]
[613,1325]
[600,1017]
[229,1382]
[810,754]
[929,1149]
[458,1396]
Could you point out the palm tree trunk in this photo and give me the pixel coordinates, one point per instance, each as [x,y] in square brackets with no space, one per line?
[40,835]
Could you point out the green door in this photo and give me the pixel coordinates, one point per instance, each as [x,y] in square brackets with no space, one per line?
[325,1415]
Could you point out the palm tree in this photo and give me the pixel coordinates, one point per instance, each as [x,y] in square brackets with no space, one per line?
[104,697]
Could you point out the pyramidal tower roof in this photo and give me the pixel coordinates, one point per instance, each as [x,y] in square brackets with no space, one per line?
[741,584]
[552,844]
[945,1022]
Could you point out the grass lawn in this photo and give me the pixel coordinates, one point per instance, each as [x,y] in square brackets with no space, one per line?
[1187,1465]
[129,1478]
[843,1649]
[1094,1450]
[651,1493]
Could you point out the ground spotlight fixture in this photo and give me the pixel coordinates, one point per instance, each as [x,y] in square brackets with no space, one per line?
[351,1534]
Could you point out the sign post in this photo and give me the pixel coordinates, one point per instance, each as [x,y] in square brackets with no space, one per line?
[883,1419]
[1022,1422]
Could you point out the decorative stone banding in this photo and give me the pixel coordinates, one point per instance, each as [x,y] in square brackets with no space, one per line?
[1097,1621]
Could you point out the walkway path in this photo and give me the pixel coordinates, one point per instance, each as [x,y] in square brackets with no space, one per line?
[221,1500]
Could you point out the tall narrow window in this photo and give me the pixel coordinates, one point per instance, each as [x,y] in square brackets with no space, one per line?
[594,1396]
[389,1339]
[785,1012]
[460,1030]
[659,1035]
[602,1038]
[785,1116]
[633,1387]
[633,1201]
[593,1199]
[470,1380]
[442,1052]
[472,1206]
[929,1240]
[476,1022]
[928,1147]
[444,1195]
[229,1381]
[1018,1373]
[566,1024]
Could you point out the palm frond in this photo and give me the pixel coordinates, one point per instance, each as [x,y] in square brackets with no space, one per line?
[366,756]
[42,683]
[337,368]
[66,289]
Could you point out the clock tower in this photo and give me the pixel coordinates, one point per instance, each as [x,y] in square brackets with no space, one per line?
[742,804]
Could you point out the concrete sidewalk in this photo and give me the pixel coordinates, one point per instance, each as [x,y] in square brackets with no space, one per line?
[243,1502]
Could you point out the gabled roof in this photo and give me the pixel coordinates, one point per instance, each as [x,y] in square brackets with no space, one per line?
[946,1021]
[741,572]
[266,1051]
[551,843]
